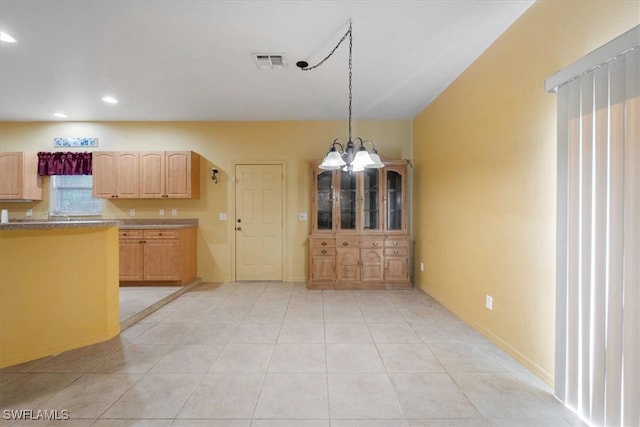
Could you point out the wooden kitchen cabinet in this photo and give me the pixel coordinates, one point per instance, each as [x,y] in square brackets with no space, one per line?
[146,174]
[169,174]
[359,234]
[131,255]
[115,174]
[19,179]
[158,255]
[323,261]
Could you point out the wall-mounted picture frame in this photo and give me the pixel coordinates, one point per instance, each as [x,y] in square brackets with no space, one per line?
[75,142]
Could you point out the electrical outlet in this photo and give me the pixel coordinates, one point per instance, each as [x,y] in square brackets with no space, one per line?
[174,212]
[422,266]
[161,212]
[29,213]
[303,216]
[132,212]
[488,302]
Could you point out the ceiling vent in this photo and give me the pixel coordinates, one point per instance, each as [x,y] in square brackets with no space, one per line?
[270,61]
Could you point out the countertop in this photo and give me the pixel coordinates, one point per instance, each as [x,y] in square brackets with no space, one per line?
[50,225]
[155,224]
[124,224]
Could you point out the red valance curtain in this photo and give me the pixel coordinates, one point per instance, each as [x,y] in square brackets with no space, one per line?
[61,163]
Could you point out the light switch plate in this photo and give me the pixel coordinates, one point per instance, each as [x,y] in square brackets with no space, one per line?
[222,216]
[303,216]
[174,212]
[161,212]
[132,212]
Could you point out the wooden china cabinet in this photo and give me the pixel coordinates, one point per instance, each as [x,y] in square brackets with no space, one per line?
[359,234]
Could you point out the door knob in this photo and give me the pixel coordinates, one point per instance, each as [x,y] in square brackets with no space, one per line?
[239,228]
[239,220]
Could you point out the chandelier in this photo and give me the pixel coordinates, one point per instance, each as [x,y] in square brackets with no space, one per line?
[343,155]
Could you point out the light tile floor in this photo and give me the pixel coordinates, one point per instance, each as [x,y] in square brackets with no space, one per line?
[255,354]
[134,299]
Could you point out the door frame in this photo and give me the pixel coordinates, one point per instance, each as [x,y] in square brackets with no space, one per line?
[232,223]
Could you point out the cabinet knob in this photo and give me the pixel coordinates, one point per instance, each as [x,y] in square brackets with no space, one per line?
[324,243]
[324,251]
[375,243]
[345,243]
[159,234]
[395,243]
[124,234]
[395,251]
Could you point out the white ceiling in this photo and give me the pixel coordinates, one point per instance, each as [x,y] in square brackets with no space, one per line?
[192,60]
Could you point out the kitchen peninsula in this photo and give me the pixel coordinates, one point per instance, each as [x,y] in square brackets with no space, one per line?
[58,287]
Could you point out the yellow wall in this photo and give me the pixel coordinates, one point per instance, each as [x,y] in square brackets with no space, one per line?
[58,291]
[484,177]
[221,144]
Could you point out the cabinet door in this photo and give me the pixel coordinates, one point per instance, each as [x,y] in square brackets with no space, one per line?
[372,265]
[347,264]
[396,268]
[104,174]
[323,268]
[348,201]
[131,260]
[161,259]
[395,199]
[127,175]
[152,174]
[178,174]
[11,175]
[370,200]
[322,200]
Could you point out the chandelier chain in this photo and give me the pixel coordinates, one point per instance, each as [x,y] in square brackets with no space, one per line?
[350,73]
[349,33]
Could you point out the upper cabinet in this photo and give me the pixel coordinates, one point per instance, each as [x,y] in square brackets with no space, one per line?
[146,174]
[19,179]
[370,201]
[115,174]
[169,174]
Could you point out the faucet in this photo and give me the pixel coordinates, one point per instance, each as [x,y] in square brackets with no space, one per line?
[59,217]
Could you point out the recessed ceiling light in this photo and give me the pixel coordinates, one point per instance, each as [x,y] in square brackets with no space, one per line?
[6,37]
[60,115]
[110,100]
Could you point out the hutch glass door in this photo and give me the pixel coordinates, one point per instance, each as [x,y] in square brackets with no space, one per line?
[394,200]
[371,191]
[324,188]
[347,201]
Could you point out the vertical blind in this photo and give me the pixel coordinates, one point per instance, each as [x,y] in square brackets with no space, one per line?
[597,369]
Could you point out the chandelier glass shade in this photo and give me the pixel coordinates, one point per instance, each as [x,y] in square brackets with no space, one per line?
[347,156]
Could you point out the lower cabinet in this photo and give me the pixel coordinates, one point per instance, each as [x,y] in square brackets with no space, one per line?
[158,255]
[359,263]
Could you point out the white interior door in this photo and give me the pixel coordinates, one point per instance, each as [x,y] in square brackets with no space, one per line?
[258,222]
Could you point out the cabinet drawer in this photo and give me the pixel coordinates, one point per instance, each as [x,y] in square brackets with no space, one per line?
[130,234]
[393,243]
[323,243]
[161,234]
[347,243]
[323,251]
[399,251]
[372,243]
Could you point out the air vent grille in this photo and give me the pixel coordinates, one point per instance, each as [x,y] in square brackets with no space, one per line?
[270,61]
